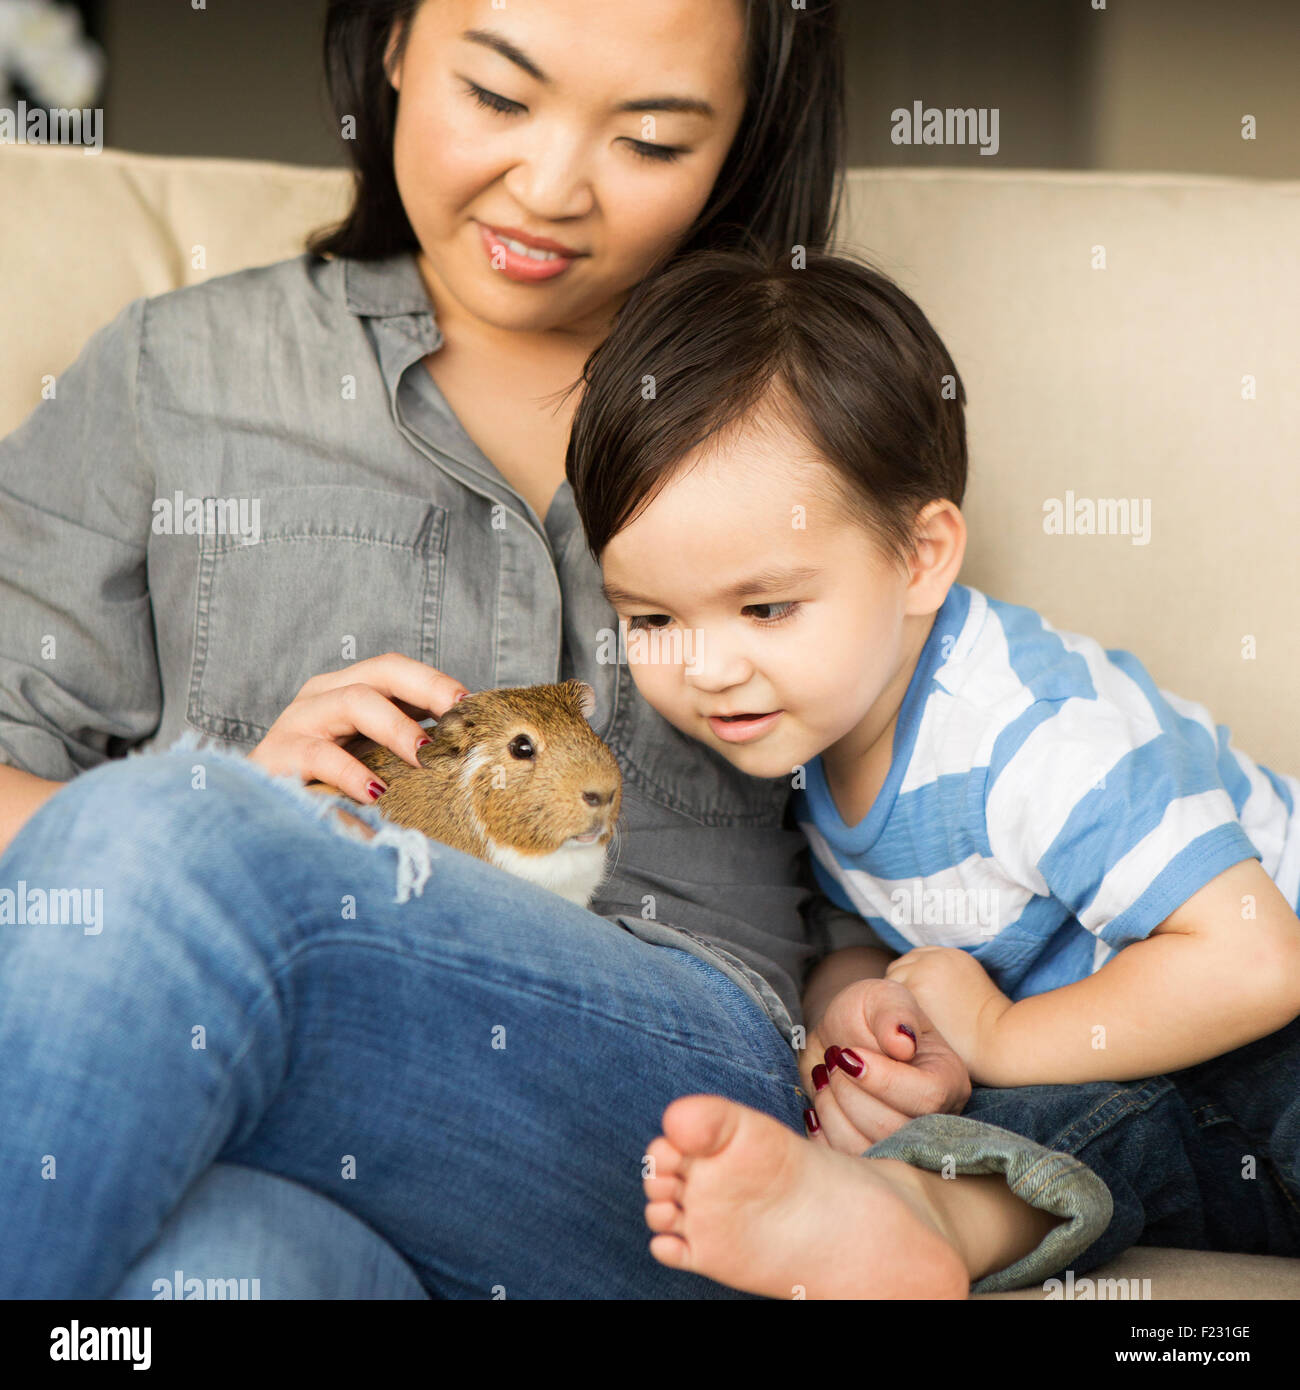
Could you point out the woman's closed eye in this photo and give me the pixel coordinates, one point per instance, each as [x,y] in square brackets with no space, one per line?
[493,101]
[504,106]
[662,154]
[643,621]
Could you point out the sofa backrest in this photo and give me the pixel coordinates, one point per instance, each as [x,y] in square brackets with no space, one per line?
[1128,342]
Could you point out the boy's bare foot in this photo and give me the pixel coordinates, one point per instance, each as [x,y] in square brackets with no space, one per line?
[740,1198]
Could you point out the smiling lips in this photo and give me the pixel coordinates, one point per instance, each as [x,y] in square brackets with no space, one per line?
[525,258]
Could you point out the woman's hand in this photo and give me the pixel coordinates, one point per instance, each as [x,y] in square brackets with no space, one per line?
[957,993]
[899,1076]
[376,697]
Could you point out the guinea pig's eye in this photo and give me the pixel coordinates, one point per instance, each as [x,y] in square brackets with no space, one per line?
[521,746]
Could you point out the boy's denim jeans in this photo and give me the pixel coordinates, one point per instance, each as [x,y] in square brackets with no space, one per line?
[250,1061]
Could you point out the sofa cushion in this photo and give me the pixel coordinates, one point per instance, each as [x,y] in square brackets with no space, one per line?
[1122,382]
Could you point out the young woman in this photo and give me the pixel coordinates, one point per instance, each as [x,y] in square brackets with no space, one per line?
[288,1051]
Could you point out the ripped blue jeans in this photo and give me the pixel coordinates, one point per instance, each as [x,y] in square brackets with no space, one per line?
[450,1074]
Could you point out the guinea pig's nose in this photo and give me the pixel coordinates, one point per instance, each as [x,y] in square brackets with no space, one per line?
[597,798]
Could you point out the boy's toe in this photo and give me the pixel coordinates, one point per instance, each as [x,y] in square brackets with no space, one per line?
[664,1217]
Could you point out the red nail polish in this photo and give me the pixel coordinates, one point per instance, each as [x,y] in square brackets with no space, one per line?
[903,1028]
[831,1058]
[376,790]
[464,695]
[821,1077]
[421,743]
[850,1062]
[811,1123]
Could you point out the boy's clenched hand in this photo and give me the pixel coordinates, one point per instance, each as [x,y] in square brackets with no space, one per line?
[897,1077]
[956,992]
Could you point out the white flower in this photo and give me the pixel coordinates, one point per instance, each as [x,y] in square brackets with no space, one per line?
[15,15]
[64,77]
[42,25]
[42,44]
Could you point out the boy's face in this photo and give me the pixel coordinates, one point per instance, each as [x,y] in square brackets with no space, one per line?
[821,649]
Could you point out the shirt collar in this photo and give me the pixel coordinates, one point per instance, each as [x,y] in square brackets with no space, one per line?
[385,288]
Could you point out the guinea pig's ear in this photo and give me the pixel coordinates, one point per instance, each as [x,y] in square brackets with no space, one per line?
[453,730]
[585,696]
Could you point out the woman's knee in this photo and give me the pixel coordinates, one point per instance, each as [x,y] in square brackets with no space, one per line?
[154,858]
[163,801]
[246,1233]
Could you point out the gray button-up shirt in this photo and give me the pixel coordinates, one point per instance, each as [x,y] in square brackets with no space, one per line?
[243,483]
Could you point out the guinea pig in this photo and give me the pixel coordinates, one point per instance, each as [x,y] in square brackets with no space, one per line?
[516,777]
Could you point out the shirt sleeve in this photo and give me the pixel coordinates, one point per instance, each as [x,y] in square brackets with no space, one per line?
[79,679]
[1118,814]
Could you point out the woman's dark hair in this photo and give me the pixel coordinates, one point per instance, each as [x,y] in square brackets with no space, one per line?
[779,184]
[835,349]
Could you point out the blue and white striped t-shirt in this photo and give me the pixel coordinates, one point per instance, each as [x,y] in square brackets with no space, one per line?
[1046,804]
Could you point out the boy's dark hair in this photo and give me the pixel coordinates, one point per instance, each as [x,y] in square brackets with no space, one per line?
[843,356]
[779,181]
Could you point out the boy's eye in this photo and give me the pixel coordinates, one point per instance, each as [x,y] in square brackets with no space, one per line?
[787,611]
[644,620]
[492,101]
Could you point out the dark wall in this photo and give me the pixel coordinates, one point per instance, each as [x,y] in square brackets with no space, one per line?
[1141,84]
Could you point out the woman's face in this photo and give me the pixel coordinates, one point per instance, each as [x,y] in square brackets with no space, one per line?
[595,127]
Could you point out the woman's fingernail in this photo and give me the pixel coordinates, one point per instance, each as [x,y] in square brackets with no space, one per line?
[376,790]
[831,1058]
[811,1123]
[903,1028]
[821,1077]
[421,743]
[850,1062]
[464,695]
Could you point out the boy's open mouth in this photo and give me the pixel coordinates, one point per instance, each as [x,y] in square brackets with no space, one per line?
[740,726]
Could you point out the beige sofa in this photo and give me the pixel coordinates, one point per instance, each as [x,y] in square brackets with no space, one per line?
[1120,337]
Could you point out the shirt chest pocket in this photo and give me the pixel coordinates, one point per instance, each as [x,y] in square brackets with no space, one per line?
[323,577]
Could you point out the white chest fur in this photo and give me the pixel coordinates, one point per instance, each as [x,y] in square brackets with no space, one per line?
[572,871]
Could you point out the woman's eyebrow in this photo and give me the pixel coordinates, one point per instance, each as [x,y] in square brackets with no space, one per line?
[489,38]
[689,106]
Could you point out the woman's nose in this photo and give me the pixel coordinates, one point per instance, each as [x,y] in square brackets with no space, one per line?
[552,183]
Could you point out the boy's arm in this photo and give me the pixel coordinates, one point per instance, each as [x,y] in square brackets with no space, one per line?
[1219,972]
[847,949]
